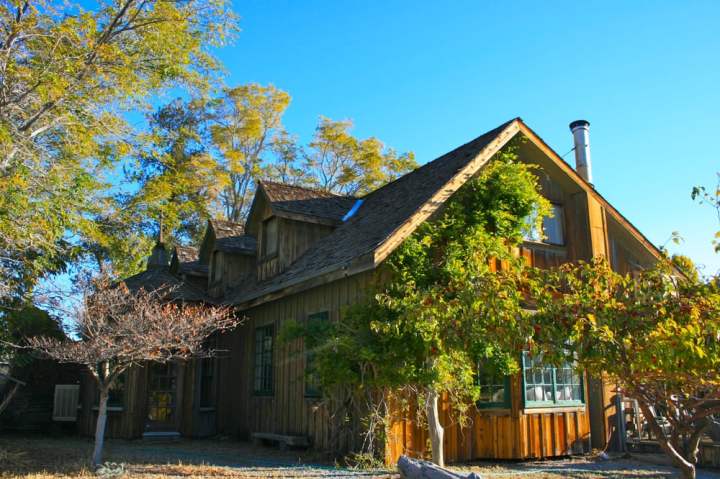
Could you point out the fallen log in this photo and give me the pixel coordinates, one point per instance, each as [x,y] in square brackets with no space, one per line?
[417,469]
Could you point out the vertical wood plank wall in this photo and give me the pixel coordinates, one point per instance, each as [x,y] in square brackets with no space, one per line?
[287,410]
[496,434]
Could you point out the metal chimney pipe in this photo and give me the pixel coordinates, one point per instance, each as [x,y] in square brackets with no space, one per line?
[581,136]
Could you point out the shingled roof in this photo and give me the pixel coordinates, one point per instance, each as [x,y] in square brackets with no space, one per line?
[381,214]
[290,201]
[186,254]
[244,244]
[223,228]
[159,279]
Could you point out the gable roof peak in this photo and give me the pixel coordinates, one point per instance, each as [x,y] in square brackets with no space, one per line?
[225,228]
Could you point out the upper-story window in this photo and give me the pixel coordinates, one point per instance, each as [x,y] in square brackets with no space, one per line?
[553,227]
[216,266]
[270,237]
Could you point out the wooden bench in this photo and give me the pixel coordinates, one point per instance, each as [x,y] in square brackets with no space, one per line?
[284,441]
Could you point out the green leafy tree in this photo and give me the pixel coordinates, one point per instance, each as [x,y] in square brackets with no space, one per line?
[346,165]
[246,125]
[712,198]
[179,180]
[443,305]
[655,333]
[67,76]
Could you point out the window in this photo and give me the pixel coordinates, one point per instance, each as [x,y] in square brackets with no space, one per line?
[216,266]
[207,382]
[494,388]
[547,385]
[116,395]
[263,360]
[553,227]
[270,237]
[312,382]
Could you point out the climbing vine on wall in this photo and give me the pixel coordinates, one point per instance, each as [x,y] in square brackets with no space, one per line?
[441,303]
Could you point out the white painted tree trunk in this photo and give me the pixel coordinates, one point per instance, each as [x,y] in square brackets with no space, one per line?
[100,427]
[435,428]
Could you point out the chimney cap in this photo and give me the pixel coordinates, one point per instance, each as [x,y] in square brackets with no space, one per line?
[579,123]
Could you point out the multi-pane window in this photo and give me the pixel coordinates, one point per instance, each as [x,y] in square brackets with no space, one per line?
[547,385]
[270,237]
[116,395]
[494,388]
[162,385]
[216,266]
[207,382]
[264,360]
[312,382]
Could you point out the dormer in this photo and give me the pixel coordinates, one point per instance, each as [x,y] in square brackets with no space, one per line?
[217,230]
[232,264]
[287,220]
[185,265]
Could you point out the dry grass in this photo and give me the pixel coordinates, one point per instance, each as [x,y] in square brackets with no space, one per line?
[43,458]
[48,458]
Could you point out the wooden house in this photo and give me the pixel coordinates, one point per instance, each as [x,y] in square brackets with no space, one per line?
[305,253]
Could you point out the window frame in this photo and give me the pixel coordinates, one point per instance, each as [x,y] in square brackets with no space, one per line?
[216,273]
[540,237]
[208,364]
[265,237]
[117,396]
[266,385]
[506,403]
[555,403]
[560,218]
[310,390]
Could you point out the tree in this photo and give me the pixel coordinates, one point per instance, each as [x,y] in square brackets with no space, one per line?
[178,178]
[444,306]
[204,156]
[655,333]
[247,122]
[344,165]
[711,198]
[67,76]
[120,329]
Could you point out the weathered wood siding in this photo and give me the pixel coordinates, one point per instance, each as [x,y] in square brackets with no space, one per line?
[512,433]
[287,410]
[294,238]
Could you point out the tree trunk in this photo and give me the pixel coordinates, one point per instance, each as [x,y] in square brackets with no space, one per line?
[8,397]
[100,427]
[435,428]
[687,469]
[693,444]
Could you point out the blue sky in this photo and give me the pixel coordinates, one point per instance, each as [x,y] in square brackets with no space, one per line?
[429,76]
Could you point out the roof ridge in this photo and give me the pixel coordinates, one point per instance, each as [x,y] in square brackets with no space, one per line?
[443,156]
[306,188]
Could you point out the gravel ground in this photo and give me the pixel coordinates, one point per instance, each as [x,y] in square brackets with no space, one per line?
[52,458]
[638,466]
